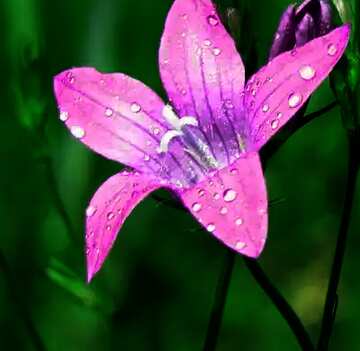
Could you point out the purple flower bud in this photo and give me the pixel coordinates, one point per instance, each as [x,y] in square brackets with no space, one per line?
[299,25]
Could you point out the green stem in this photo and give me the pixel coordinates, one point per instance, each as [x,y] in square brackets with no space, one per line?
[331,301]
[217,311]
[281,304]
[33,334]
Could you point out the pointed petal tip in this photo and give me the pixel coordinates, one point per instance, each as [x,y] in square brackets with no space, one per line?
[90,275]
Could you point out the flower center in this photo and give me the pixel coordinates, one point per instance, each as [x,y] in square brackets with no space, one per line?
[186,128]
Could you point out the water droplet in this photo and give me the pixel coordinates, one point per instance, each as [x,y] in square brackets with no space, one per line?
[64,116]
[253,92]
[239,221]
[294,100]
[229,195]
[70,77]
[293,52]
[183,92]
[274,124]
[234,171]
[196,207]
[331,49]
[146,157]
[90,211]
[262,211]
[265,108]
[108,228]
[201,192]
[216,51]
[240,245]
[135,107]
[228,104]
[307,72]
[183,34]
[77,132]
[156,131]
[216,196]
[110,216]
[223,210]
[108,112]
[212,20]
[277,36]
[211,227]
[279,115]
[207,42]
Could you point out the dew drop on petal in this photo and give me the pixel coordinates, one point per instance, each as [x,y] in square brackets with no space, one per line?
[233,171]
[240,245]
[307,72]
[207,42]
[135,107]
[90,211]
[239,221]
[279,115]
[110,216]
[229,195]
[331,49]
[223,210]
[196,207]
[64,116]
[274,124]
[265,108]
[216,196]
[229,104]
[294,99]
[108,112]
[216,51]
[70,77]
[201,192]
[77,132]
[212,20]
[146,157]
[108,228]
[210,227]
[156,131]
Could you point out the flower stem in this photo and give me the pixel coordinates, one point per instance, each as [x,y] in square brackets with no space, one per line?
[281,304]
[217,311]
[33,334]
[331,301]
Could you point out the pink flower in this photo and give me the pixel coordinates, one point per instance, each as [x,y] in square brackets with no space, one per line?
[204,145]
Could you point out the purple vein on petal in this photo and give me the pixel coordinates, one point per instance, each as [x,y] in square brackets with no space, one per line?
[215,126]
[232,127]
[186,70]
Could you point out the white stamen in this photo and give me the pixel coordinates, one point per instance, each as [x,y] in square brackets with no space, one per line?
[171,117]
[165,140]
[188,121]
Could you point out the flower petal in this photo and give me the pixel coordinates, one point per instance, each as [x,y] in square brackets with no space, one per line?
[279,89]
[120,118]
[107,211]
[203,73]
[232,205]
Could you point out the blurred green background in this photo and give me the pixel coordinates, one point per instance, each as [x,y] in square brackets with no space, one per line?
[156,289]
